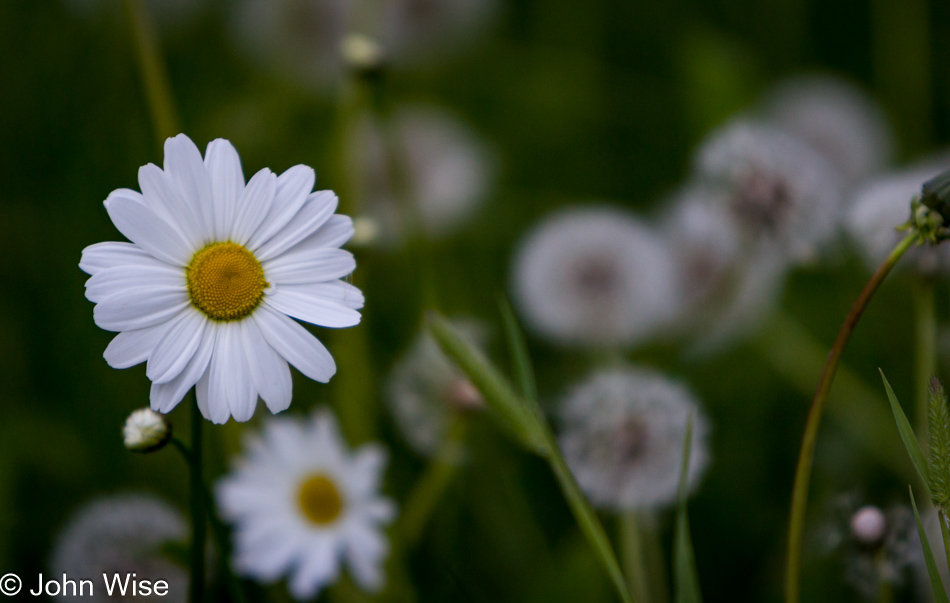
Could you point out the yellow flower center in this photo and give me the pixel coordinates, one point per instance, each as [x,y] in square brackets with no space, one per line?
[225,281]
[320,500]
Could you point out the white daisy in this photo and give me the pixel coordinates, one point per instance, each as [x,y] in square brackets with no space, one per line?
[778,190]
[450,171]
[216,268]
[302,504]
[622,436]
[724,291]
[119,535]
[595,277]
[882,205]
[837,119]
[425,389]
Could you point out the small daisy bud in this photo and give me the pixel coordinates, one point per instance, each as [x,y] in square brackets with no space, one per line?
[146,431]
[361,52]
[868,525]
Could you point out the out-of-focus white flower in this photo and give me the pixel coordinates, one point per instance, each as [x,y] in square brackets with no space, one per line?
[122,535]
[365,231]
[882,205]
[164,12]
[312,41]
[216,269]
[779,191]
[622,436]
[425,389]
[145,430]
[837,119]
[446,169]
[302,504]
[868,525]
[594,276]
[724,291]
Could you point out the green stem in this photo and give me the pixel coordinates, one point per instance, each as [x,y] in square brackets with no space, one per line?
[633,556]
[885,592]
[942,518]
[152,69]
[925,348]
[197,493]
[796,526]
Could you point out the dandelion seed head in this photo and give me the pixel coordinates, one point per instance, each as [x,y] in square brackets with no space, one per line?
[593,277]
[622,435]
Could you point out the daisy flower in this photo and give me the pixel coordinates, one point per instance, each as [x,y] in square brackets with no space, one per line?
[205,291]
[122,534]
[622,436]
[594,277]
[425,388]
[883,204]
[302,504]
[835,118]
[778,190]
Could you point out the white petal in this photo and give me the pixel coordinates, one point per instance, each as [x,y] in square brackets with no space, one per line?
[163,196]
[255,201]
[166,396]
[149,273]
[293,186]
[139,308]
[102,256]
[337,230]
[147,230]
[242,395]
[184,164]
[295,344]
[177,347]
[319,567]
[297,301]
[218,374]
[133,347]
[269,371]
[306,266]
[227,184]
[365,551]
[366,468]
[202,386]
[314,214]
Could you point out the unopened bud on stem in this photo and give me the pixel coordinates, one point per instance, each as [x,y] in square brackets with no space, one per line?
[146,431]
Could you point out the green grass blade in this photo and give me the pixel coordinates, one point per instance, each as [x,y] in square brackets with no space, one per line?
[518,350]
[684,561]
[907,436]
[940,595]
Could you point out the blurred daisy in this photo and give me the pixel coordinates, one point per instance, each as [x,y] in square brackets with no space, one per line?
[837,119]
[622,436]
[594,277]
[724,293]
[449,172]
[302,504]
[425,389]
[779,191]
[206,290]
[122,534]
[882,205]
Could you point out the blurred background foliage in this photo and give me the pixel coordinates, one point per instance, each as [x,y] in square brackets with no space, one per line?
[601,100]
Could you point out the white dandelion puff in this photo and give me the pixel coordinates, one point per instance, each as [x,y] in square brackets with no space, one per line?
[122,534]
[594,277]
[302,505]
[425,389]
[216,270]
[837,119]
[622,436]
[448,169]
[883,204]
[779,191]
[723,292]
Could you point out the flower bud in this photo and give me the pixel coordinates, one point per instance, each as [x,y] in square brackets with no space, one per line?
[146,431]
[868,525]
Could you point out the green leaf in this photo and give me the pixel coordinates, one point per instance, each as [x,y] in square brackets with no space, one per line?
[940,595]
[518,350]
[684,562]
[908,437]
[524,419]
[938,420]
